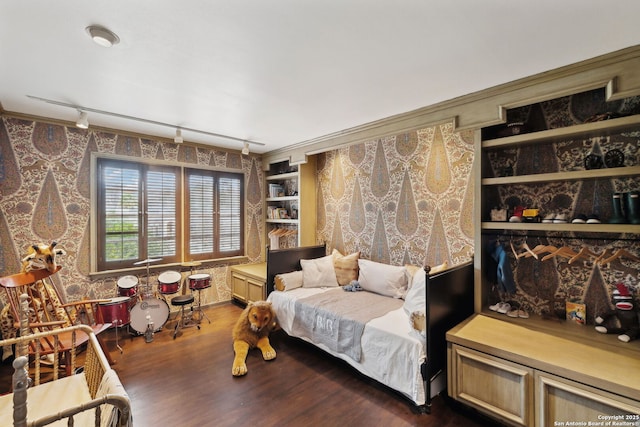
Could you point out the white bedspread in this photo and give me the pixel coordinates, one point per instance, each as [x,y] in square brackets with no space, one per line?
[390,353]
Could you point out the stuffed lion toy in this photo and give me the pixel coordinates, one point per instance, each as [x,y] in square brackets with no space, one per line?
[252,330]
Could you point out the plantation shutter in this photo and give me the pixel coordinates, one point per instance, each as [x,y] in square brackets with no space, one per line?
[121,190]
[201,214]
[230,208]
[161,213]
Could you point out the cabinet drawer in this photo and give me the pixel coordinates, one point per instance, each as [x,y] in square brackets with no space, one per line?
[255,290]
[492,385]
[239,287]
[561,400]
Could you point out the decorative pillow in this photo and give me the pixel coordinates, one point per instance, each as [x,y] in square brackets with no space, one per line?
[411,271]
[415,301]
[346,267]
[318,272]
[288,281]
[383,279]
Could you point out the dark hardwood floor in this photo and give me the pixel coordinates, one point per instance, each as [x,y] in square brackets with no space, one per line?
[188,382]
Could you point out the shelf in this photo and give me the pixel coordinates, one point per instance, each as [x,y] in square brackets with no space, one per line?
[564,329]
[282,221]
[564,176]
[282,176]
[587,130]
[582,228]
[281,199]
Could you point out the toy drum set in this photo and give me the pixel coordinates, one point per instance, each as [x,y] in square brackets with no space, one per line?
[141,309]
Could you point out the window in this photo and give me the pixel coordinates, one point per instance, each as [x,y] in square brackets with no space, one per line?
[140,215]
[214,206]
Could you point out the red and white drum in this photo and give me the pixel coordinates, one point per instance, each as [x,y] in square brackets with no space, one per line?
[128,286]
[151,310]
[199,281]
[169,282]
[115,311]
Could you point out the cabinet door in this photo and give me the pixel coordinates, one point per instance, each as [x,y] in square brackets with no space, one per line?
[559,400]
[494,386]
[255,290]
[239,287]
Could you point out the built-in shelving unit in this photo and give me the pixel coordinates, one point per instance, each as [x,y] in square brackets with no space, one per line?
[290,204]
[523,371]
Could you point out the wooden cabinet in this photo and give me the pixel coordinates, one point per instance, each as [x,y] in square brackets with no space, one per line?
[560,399]
[492,385]
[544,369]
[248,282]
[523,377]
[291,204]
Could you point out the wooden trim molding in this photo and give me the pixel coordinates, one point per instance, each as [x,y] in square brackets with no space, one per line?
[616,71]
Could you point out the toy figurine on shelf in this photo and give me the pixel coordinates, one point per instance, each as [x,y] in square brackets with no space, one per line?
[625,311]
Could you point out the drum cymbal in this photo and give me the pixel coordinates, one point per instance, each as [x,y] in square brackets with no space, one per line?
[147,261]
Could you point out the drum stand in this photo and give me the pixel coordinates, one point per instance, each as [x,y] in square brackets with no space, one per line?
[198,309]
[118,345]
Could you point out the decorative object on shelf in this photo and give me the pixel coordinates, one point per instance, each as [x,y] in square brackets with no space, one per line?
[498,214]
[577,313]
[614,158]
[625,312]
[593,161]
[515,128]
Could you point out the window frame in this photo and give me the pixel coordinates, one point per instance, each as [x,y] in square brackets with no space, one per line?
[97,225]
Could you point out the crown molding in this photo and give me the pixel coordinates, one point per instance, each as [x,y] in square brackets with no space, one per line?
[617,71]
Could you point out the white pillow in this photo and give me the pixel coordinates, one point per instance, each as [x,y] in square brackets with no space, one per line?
[415,301]
[383,279]
[318,273]
[288,281]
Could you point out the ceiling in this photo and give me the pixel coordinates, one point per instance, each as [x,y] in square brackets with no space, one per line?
[282,72]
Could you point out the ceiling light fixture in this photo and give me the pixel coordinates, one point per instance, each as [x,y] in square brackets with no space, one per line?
[245,149]
[83,120]
[102,36]
[178,138]
[139,119]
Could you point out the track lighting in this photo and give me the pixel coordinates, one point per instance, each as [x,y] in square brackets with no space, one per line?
[102,36]
[178,138]
[83,120]
[84,123]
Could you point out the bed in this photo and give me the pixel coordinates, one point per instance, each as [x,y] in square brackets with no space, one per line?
[92,396]
[391,351]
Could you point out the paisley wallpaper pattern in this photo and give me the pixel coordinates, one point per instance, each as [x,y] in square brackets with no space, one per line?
[44,188]
[402,199]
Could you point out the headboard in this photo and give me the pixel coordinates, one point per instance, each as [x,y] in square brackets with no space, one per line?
[286,260]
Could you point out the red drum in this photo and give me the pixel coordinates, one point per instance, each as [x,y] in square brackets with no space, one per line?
[199,281]
[115,311]
[169,282]
[128,286]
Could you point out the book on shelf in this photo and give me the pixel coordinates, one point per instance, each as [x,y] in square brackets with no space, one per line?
[274,212]
[276,190]
[577,312]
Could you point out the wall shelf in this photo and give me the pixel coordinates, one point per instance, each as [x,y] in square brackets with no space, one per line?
[586,130]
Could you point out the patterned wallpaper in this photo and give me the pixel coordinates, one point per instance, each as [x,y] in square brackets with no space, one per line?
[44,188]
[402,199]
